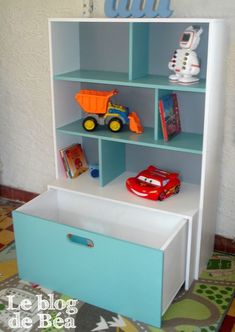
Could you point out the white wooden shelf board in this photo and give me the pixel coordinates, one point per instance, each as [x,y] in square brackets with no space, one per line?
[185,204]
[137,20]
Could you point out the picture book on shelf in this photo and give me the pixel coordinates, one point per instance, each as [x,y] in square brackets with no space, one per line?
[74,160]
[170,117]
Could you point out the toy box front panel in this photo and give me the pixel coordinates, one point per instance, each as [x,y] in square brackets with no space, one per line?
[114,275]
[113,264]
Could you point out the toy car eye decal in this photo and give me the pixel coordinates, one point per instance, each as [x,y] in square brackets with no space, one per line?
[149,180]
[154,182]
[142,178]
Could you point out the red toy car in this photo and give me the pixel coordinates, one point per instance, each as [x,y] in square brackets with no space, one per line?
[154,183]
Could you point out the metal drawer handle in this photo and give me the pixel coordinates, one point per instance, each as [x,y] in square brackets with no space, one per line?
[80,240]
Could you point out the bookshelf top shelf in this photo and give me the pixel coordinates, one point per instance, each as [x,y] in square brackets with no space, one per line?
[139,20]
[116,78]
[184,142]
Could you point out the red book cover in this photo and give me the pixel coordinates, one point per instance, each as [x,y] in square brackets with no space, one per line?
[170,117]
[75,160]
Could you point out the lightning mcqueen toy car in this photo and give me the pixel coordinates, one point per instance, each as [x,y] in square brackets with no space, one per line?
[154,183]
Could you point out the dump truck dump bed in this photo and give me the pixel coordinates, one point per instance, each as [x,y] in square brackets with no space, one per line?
[93,101]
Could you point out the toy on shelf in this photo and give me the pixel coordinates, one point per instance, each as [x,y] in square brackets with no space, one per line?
[94,170]
[74,160]
[101,111]
[154,183]
[185,62]
[170,117]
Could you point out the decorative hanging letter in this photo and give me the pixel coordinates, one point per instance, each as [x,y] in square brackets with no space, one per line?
[110,8]
[124,8]
[162,10]
[136,8]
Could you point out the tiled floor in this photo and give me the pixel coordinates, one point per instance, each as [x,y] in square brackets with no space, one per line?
[6,227]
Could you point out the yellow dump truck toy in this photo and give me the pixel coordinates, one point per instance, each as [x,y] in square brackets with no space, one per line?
[103,112]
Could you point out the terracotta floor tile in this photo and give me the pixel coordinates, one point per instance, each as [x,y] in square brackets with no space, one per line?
[5,223]
[6,237]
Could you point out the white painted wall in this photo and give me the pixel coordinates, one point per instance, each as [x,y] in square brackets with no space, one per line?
[26,147]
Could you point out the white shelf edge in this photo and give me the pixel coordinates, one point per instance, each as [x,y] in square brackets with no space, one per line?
[146,20]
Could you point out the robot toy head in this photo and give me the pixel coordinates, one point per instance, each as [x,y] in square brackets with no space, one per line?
[190,39]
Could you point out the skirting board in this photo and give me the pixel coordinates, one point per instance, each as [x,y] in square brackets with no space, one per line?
[225,245]
[16,194]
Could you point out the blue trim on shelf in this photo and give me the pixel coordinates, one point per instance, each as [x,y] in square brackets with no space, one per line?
[184,142]
[116,78]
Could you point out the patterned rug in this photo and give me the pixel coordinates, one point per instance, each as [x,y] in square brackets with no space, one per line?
[209,304]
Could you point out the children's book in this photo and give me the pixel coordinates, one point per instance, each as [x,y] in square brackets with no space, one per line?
[74,160]
[64,161]
[170,117]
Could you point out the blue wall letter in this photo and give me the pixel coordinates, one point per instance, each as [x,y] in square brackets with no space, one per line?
[137,9]
[124,8]
[127,8]
[110,8]
[162,8]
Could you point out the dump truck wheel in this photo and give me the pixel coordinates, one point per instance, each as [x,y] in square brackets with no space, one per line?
[115,125]
[89,123]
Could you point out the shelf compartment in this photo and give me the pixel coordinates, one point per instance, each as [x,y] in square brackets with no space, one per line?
[89,46]
[185,204]
[99,46]
[184,142]
[164,40]
[118,78]
[152,46]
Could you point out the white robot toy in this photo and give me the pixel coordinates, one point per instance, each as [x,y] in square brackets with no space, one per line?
[185,62]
